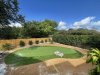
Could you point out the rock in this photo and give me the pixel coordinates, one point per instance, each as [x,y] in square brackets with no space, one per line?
[2,69]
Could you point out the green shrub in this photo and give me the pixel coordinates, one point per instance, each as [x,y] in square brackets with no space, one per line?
[46,40]
[93,72]
[94,41]
[41,41]
[79,38]
[7,46]
[74,40]
[0,48]
[37,42]
[30,43]
[21,43]
[49,40]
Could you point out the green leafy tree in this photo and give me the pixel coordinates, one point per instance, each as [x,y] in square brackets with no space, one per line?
[48,27]
[39,29]
[10,32]
[9,12]
[94,58]
[5,33]
[31,29]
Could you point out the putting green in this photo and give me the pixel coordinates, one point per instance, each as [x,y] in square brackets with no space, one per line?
[38,54]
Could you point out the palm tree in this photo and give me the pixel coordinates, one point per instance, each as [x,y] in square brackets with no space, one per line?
[94,58]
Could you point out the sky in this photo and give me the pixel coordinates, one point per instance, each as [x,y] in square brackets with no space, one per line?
[67,13]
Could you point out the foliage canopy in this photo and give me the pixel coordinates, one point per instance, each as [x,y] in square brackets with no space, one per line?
[9,12]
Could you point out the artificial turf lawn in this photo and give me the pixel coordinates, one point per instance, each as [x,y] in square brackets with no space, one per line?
[37,54]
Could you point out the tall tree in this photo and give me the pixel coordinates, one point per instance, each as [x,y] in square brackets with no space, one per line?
[31,29]
[48,26]
[9,13]
[39,29]
[10,32]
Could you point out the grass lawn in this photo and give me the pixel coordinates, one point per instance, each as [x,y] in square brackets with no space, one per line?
[37,54]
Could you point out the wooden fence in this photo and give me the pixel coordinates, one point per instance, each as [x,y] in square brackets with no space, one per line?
[15,42]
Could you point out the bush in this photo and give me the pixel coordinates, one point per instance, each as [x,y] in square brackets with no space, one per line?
[41,41]
[74,40]
[30,43]
[80,38]
[93,72]
[21,43]
[7,46]
[94,41]
[0,48]
[37,42]
[46,40]
[84,41]
[51,41]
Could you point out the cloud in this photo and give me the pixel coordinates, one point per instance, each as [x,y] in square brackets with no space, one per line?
[62,26]
[87,23]
[15,24]
[97,23]
[83,22]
